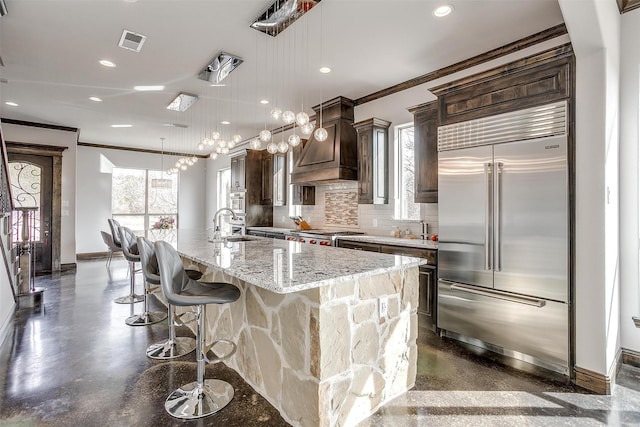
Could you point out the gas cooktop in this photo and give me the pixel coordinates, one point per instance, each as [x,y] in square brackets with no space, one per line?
[326,233]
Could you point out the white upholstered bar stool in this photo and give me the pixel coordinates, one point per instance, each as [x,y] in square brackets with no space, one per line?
[201,397]
[149,270]
[130,252]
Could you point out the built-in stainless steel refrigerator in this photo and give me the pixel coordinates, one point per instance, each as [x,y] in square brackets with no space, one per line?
[503,258]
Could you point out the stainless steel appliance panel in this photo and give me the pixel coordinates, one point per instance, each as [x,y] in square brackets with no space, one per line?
[531,218]
[525,327]
[464,203]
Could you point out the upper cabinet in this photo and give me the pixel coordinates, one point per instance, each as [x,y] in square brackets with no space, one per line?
[238,164]
[425,139]
[279,180]
[373,159]
[267,178]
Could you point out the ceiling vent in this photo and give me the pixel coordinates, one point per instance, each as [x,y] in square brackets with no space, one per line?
[131,41]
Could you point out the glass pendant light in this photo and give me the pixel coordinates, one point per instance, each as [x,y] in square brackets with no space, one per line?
[272,148]
[288,117]
[265,135]
[307,129]
[276,113]
[236,138]
[302,118]
[213,156]
[283,147]
[294,140]
[321,134]
[215,135]
[255,144]
[231,144]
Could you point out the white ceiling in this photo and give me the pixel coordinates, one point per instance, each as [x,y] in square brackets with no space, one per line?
[51,49]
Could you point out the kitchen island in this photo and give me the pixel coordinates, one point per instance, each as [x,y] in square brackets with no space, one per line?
[326,335]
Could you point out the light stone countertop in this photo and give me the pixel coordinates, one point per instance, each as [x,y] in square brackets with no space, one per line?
[388,240]
[285,267]
[271,229]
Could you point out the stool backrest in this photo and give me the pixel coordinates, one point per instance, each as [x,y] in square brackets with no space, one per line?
[108,240]
[173,278]
[129,244]
[148,260]
[115,226]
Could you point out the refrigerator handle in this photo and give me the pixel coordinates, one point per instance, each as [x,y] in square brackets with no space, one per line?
[488,217]
[497,211]
[519,299]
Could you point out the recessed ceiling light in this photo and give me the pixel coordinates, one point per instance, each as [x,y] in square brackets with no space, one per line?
[12,104]
[225,122]
[148,88]
[121,126]
[218,84]
[107,63]
[325,70]
[442,11]
[95,99]
[264,101]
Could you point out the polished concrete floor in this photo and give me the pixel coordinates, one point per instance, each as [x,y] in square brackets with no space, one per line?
[77,363]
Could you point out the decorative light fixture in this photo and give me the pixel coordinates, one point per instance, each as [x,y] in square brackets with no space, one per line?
[277,17]
[320,133]
[182,102]
[161,182]
[220,67]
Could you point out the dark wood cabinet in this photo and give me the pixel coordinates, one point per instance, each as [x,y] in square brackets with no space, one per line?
[238,165]
[359,246]
[247,176]
[427,297]
[267,178]
[303,195]
[373,159]
[279,174]
[425,139]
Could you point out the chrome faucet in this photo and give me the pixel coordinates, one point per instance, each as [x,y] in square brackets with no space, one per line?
[216,221]
[425,230]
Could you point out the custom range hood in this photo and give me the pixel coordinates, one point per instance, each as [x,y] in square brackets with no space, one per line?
[336,158]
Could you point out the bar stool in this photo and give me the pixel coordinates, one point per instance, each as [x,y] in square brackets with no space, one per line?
[108,240]
[174,346]
[201,397]
[149,272]
[115,232]
[130,252]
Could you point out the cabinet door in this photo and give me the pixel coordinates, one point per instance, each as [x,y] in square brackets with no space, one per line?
[279,180]
[267,179]
[359,246]
[427,298]
[365,163]
[428,254]
[303,195]
[425,128]
[238,173]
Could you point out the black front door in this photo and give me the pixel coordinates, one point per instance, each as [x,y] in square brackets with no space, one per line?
[32,185]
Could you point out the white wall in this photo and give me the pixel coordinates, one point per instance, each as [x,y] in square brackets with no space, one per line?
[629,179]
[58,138]
[213,166]
[594,28]
[94,192]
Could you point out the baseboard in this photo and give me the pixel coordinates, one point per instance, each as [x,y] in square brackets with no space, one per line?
[4,329]
[95,255]
[631,357]
[68,267]
[592,381]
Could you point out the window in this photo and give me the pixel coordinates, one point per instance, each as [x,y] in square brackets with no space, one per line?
[406,208]
[224,184]
[139,198]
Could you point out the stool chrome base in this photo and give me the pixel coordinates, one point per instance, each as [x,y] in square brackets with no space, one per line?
[146,318]
[170,349]
[188,402]
[129,299]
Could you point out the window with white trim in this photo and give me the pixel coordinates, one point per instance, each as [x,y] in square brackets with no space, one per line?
[142,199]
[405,207]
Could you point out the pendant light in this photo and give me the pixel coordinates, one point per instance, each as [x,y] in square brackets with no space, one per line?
[321,133]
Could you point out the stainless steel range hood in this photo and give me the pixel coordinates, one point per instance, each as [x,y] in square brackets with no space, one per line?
[336,158]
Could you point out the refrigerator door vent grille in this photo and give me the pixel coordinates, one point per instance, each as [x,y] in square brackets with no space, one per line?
[530,123]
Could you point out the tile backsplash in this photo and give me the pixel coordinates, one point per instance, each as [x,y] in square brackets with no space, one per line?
[337,208]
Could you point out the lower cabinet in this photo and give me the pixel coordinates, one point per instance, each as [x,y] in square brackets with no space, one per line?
[428,276]
[270,234]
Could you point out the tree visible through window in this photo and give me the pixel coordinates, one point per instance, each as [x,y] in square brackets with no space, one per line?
[137,203]
[406,208]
